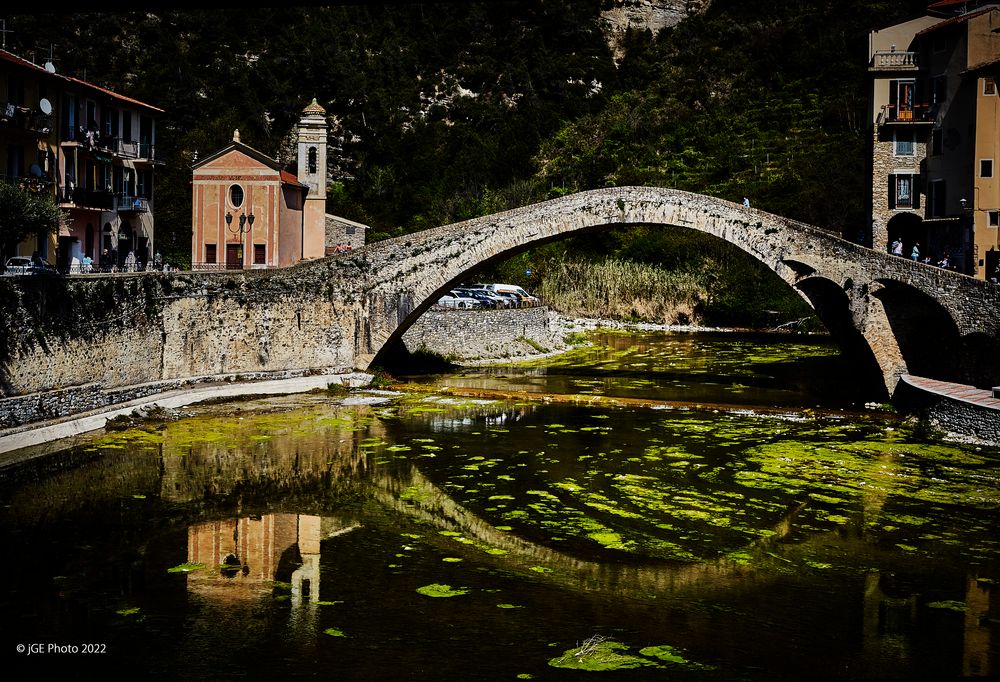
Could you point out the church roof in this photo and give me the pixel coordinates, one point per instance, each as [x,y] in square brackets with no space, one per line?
[236,145]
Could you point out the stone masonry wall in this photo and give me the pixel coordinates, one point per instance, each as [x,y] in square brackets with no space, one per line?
[485,333]
[74,400]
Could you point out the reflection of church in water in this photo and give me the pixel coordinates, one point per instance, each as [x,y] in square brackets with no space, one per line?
[243,557]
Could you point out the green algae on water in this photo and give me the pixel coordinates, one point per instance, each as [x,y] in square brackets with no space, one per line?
[948,604]
[185,568]
[439,590]
[600,654]
[334,632]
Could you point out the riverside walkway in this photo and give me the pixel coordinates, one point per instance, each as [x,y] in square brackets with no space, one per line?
[962,392]
[27,436]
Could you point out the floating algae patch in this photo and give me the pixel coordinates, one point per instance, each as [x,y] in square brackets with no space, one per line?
[598,654]
[334,632]
[439,590]
[509,606]
[669,654]
[185,568]
[612,540]
[949,604]
[414,494]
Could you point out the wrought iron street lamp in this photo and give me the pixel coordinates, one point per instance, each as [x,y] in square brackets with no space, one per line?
[244,227]
[246,223]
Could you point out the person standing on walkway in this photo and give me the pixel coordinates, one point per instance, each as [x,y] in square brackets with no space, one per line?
[897,248]
[915,254]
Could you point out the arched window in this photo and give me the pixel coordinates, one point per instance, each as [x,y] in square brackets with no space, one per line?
[235,196]
[312,159]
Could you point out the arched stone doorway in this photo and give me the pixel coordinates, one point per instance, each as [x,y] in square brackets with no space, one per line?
[909,229]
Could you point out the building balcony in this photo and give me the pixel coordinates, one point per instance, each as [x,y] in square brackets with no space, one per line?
[894,61]
[87,198]
[29,183]
[109,144]
[15,117]
[125,203]
[918,113]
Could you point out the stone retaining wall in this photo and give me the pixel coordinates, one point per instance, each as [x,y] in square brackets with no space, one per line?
[75,400]
[485,333]
[957,417]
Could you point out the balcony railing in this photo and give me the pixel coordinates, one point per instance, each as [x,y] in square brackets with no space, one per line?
[125,202]
[894,61]
[33,120]
[98,142]
[918,113]
[29,183]
[89,198]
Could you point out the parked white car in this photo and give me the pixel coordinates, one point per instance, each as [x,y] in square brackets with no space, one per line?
[455,300]
[22,265]
[517,292]
[18,265]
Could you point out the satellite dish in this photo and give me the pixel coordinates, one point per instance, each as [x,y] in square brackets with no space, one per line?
[50,67]
[35,170]
[45,105]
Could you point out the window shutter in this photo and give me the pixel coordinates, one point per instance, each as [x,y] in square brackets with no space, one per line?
[893,96]
[916,191]
[892,190]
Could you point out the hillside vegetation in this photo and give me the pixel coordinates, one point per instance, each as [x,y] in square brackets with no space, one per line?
[446,111]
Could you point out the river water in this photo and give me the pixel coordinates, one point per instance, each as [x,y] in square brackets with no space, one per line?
[655,506]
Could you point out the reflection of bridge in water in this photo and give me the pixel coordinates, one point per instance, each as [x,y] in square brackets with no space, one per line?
[259,510]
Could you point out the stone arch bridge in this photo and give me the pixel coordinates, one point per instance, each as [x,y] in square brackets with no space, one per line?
[890,315]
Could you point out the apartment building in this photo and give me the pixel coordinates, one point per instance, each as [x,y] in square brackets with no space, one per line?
[934,117]
[93,151]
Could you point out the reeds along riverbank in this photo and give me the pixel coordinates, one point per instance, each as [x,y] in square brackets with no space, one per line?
[624,290]
[725,292]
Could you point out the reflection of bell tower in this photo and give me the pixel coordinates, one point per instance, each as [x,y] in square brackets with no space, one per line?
[312,132]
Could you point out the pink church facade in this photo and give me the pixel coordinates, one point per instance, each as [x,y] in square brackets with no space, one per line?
[248,212]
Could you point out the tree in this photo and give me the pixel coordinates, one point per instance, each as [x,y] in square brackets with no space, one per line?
[22,214]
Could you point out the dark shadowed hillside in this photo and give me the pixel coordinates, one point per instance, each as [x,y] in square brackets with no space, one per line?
[444,111]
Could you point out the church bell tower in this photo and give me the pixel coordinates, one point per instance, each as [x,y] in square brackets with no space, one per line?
[312,132]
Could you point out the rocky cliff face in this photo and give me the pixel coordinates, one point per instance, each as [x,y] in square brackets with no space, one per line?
[653,15]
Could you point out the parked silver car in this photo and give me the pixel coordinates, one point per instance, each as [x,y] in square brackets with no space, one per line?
[17,265]
[455,300]
[486,298]
[23,265]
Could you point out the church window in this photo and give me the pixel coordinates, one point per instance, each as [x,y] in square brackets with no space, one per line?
[235,196]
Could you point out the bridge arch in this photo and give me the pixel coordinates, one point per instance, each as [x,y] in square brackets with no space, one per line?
[833,275]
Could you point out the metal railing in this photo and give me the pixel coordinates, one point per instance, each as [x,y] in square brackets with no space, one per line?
[16,116]
[29,183]
[96,268]
[216,267]
[918,113]
[99,142]
[88,197]
[126,202]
